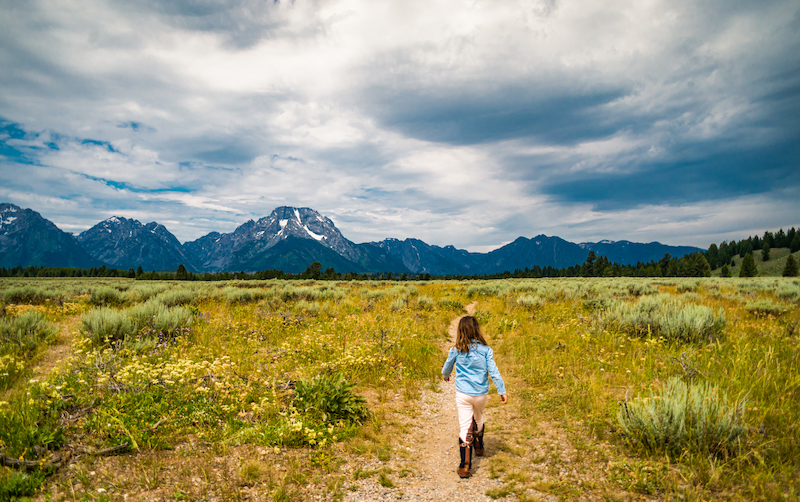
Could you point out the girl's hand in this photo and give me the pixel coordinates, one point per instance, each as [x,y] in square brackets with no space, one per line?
[446,378]
[504,398]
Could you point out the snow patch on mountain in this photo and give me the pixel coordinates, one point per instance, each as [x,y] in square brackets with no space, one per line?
[312,234]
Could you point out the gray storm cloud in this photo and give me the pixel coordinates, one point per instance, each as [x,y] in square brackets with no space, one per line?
[466,123]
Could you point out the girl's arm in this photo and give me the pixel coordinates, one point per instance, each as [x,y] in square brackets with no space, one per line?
[449,363]
[495,373]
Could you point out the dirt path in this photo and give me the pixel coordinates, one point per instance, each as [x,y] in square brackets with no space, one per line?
[432,450]
[56,354]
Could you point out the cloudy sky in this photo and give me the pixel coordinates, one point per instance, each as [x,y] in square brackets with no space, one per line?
[465,122]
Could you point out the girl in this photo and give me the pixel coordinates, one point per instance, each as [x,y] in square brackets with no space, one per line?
[474,362]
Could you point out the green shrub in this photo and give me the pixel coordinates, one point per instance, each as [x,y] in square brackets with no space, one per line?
[103,296]
[530,302]
[331,398]
[177,297]
[170,321]
[23,334]
[311,308]
[28,295]
[498,289]
[665,316]
[765,307]
[104,324]
[27,422]
[399,304]
[639,289]
[14,484]
[684,416]
[450,304]
[788,291]
[424,302]
[143,292]
[234,295]
[687,286]
[20,339]
[598,304]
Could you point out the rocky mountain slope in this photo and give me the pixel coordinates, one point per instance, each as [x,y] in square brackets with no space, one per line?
[298,235]
[26,238]
[541,250]
[125,243]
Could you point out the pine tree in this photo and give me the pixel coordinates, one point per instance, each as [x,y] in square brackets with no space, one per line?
[790,270]
[748,267]
[701,266]
[795,244]
[725,272]
[712,254]
[181,274]
[765,252]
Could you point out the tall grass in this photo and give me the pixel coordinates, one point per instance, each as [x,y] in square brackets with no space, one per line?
[105,296]
[28,295]
[664,316]
[681,417]
[21,338]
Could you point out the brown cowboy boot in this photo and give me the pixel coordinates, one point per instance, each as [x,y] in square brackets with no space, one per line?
[478,441]
[465,448]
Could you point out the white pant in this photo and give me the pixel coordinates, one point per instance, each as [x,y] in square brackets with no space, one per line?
[469,407]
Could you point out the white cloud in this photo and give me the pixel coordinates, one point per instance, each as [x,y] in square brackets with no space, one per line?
[446,120]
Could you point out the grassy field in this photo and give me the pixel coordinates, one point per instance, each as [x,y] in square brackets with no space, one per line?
[771,268]
[686,389]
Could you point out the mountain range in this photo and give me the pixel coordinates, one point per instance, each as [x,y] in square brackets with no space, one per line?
[289,239]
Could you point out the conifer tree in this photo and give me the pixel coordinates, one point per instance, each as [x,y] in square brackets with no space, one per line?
[748,267]
[795,244]
[725,272]
[701,266]
[181,274]
[790,270]
[765,252]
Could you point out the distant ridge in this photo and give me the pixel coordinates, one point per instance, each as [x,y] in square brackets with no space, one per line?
[289,239]
[26,238]
[125,243]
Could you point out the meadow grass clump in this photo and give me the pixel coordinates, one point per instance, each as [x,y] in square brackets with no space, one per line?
[666,317]
[103,325]
[28,295]
[311,308]
[104,295]
[143,292]
[450,304]
[788,291]
[641,289]
[399,304]
[331,398]
[495,288]
[170,320]
[765,307]
[424,302]
[21,338]
[25,333]
[531,302]
[684,287]
[373,294]
[178,296]
[233,295]
[680,417]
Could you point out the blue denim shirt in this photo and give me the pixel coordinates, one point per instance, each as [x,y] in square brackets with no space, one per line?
[473,369]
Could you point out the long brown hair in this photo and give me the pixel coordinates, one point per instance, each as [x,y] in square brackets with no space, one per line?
[468,331]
